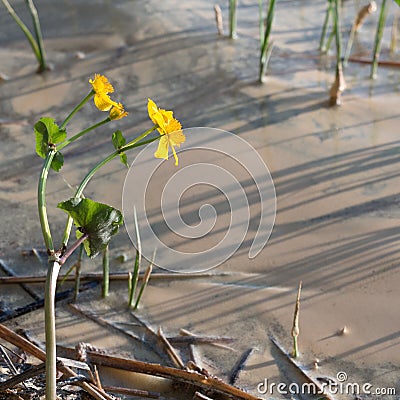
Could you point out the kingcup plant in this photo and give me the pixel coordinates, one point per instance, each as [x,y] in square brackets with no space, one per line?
[95,222]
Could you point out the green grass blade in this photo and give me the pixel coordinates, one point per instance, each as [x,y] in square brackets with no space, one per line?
[24,29]
[264,58]
[378,39]
[233,18]
[38,33]
[138,259]
[145,281]
[328,14]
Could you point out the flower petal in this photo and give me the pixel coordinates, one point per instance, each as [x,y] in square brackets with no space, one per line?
[118,112]
[173,126]
[101,84]
[162,150]
[151,108]
[103,102]
[176,138]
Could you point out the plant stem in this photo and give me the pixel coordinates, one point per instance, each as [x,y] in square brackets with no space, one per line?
[130,293]
[76,109]
[73,248]
[339,84]
[145,281]
[38,33]
[24,29]
[338,34]
[266,47]
[50,319]
[133,279]
[358,21]
[106,271]
[44,223]
[261,21]
[378,39]
[78,135]
[138,139]
[90,174]
[295,347]
[232,18]
[322,46]
[393,36]
[78,272]
[138,260]
[79,191]
[349,45]
[50,328]
[329,41]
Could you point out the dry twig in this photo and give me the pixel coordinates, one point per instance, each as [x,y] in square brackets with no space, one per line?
[132,392]
[17,340]
[201,396]
[215,341]
[173,355]
[205,383]
[113,277]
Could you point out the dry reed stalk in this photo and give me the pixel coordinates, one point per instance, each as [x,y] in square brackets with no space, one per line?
[19,341]
[173,355]
[30,373]
[195,339]
[201,396]
[113,277]
[218,19]
[339,85]
[212,342]
[132,392]
[363,14]
[359,20]
[195,379]
[296,328]
[383,63]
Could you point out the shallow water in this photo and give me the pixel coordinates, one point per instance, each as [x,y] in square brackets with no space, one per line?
[335,172]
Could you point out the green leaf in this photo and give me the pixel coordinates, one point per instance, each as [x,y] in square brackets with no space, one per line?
[98,220]
[118,140]
[47,132]
[398,2]
[124,159]
[58,161]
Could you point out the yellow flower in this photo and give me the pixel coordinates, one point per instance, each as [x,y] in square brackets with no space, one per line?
[170,130]
[160,117]
[103,102]
[170,139]
[101,84]
[102,87]
[118,112]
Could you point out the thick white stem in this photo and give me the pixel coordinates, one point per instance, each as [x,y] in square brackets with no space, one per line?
[50,326]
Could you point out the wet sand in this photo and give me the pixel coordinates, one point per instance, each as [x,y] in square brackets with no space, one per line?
[335,172]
